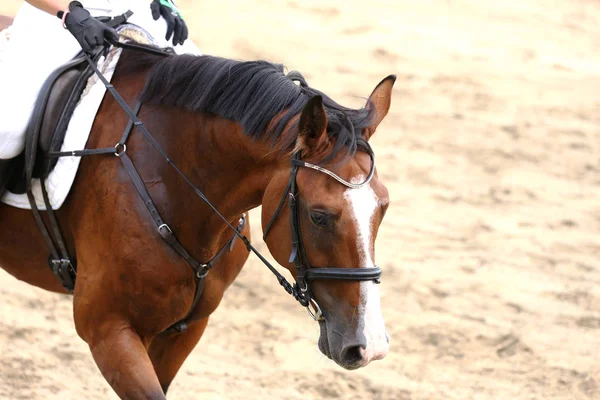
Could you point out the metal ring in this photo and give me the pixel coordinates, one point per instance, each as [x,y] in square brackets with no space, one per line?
[201,273]
[121,147]
[317,315]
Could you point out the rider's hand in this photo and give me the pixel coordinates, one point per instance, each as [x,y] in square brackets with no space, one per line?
[88,31]
[175,24]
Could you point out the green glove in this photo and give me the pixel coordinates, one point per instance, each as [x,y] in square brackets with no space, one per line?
[175,24]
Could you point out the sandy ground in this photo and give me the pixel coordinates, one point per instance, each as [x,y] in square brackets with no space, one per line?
[490,250]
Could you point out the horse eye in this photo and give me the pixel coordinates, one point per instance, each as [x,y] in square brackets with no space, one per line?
[320,218]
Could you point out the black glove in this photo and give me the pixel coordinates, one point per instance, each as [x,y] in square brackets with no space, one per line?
[175,24]
[88,31]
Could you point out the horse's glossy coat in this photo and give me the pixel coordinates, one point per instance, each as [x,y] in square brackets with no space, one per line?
[131,285]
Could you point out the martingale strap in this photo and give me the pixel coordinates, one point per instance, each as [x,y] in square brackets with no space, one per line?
[200,269]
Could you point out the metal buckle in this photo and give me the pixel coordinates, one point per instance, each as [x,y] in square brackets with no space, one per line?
[58,264]
[242,222]
[65,271]
[166,227]
[317,315]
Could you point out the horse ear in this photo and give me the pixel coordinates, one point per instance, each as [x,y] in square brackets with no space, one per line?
[312,128]
[380,101]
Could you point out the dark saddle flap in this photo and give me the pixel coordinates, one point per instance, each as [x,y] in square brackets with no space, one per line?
[54,107]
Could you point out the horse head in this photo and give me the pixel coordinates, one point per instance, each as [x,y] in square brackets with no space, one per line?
[339,204]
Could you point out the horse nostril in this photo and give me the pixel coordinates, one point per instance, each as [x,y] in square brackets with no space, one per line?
[353,355]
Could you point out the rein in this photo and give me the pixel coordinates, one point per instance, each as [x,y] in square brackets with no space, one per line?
[300,290]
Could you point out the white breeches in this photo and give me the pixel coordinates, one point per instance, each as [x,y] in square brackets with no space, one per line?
[38,44]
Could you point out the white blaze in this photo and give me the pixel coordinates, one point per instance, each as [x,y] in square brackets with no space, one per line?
[363,203]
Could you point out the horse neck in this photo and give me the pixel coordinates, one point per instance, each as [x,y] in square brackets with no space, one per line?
[230,169]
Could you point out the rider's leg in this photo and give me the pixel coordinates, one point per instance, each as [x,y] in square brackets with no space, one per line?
[38,44]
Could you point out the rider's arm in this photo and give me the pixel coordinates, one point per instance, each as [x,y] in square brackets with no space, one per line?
[50,6]
[175,24]
[89,32]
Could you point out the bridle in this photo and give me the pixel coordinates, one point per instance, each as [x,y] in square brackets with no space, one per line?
[304,272]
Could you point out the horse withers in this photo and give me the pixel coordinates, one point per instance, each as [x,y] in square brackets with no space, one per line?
[248,136]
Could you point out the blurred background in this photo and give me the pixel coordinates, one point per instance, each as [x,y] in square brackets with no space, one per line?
[491,246]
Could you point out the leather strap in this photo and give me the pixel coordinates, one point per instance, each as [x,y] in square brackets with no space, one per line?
[119,19]
[119,147]
[145,49]
[276,213]
[200,270]
[59,260]
[40,222]
[80,153]
[54,222]
[343,274]
[181,326]
[163,229]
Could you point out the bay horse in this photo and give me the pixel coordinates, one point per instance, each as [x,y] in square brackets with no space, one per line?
[246,134]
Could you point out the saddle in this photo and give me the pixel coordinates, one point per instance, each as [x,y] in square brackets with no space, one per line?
[49,121]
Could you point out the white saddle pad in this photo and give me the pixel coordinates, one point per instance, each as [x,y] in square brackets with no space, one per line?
[60,180]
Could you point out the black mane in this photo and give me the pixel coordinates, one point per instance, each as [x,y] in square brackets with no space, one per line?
[251,93]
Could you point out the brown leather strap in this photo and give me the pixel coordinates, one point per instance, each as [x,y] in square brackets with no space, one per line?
[40,222]
[54,222]
[181,326]
[200,269]
[163,229]
[61,264]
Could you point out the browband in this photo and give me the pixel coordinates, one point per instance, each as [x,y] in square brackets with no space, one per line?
[299,163]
